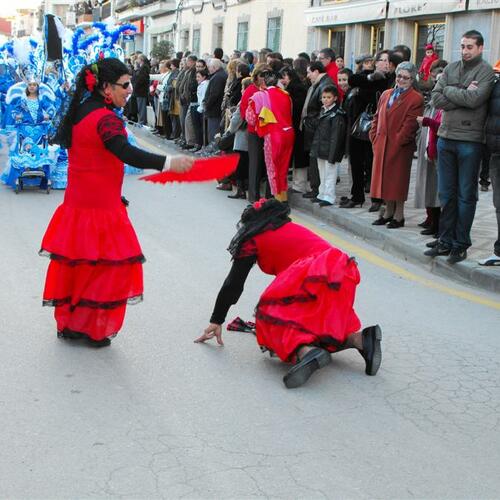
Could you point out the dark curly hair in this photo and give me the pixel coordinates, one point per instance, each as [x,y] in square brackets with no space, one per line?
[107,70]
[271,215]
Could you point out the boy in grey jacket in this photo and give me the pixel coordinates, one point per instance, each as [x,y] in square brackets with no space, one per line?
[462,93]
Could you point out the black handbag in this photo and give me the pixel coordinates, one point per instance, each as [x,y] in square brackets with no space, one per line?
[361,127]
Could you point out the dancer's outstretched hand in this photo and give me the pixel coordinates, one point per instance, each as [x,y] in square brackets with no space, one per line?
[181,163]
[211,331]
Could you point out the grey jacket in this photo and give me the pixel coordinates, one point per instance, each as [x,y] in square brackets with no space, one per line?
[238,127]
[464,111]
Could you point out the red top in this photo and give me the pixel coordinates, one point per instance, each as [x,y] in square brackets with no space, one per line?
[278,249]
[332,71]
[425,67]
[95,175]
[249,92]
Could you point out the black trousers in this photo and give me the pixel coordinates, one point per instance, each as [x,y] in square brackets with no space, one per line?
[256,166]
[313,173]
[361,156]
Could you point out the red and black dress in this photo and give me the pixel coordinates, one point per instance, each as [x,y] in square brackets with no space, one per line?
[310,302]
[96,260]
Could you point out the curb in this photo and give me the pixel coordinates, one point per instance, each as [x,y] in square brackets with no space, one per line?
[404,244]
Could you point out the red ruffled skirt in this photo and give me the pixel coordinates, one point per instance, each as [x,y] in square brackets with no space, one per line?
[310,303]
[95,269]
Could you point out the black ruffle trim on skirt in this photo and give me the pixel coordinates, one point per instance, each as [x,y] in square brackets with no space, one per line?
[92,303]
[306,296]
[99,262]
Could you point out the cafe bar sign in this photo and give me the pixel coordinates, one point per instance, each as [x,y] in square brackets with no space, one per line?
[346,13]
[411,8]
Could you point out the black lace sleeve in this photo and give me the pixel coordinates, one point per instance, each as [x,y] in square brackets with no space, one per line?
[232,288]
[111,130]
[110,126]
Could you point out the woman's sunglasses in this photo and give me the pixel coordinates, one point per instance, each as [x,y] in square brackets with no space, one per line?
[124,85]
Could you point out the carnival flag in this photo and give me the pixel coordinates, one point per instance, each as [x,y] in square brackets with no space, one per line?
[206,169]
[54,36]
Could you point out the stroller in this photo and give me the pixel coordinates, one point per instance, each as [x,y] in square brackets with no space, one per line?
[30,164]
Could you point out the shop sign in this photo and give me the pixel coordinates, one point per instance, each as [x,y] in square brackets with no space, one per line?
[484,4]
[414,8]
[348,12]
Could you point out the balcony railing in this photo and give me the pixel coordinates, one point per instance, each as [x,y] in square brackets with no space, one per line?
[130,9]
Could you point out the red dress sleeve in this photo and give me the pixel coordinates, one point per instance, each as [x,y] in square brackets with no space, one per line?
[110,126]
[248,249]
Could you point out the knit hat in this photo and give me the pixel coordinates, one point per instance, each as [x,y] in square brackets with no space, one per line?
[429,46]
[364,57]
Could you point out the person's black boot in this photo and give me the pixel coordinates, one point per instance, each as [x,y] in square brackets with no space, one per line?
[313,360]
[372,352]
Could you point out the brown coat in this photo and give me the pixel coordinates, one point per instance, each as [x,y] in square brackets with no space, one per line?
[393,135]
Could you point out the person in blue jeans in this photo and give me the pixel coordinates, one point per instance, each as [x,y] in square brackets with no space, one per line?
[462,93]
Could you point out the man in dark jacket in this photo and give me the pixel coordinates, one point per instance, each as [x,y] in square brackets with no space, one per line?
[141,88]
[462,93]
[316,73]
[213,97]
[187,92]
[493,144]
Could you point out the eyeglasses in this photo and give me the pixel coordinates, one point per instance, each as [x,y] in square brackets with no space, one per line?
[124,85]
[402,77]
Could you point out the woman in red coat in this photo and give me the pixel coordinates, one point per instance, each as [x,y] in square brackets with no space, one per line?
[96,260]
[270,112]
[307,312]
[393,134]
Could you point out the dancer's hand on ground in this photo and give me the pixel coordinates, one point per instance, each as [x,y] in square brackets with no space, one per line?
[211,331]
[181,163]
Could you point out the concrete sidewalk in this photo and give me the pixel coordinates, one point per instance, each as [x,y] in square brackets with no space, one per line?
[407,242]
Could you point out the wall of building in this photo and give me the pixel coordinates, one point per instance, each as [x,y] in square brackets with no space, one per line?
[255,12]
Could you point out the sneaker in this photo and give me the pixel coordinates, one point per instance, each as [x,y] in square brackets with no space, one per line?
[300,373]
[456,255]
[493,260]
[432,244]
[439,249]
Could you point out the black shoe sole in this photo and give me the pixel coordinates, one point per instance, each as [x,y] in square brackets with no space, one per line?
[374,336]
[302,371]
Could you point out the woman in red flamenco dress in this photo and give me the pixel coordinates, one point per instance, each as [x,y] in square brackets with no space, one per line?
[307,312]
[96,260]
[269,111]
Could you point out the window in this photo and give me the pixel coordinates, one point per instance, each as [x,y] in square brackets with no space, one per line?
[196,41]
[274,33]
[242,37]
[218,35]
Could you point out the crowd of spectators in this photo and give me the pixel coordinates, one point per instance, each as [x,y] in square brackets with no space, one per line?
[295,119]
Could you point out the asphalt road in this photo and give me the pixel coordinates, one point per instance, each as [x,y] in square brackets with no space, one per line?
[157,416]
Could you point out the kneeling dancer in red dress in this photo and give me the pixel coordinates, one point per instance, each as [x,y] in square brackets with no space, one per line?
[96,260]
[307,312]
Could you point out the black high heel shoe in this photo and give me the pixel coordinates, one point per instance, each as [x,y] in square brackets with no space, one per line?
[352,204]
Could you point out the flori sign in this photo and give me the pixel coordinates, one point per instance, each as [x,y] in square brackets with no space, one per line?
[415,8]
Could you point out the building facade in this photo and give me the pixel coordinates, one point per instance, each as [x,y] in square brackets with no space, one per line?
[352,27]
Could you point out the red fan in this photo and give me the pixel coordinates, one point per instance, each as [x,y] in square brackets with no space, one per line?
[207,169]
